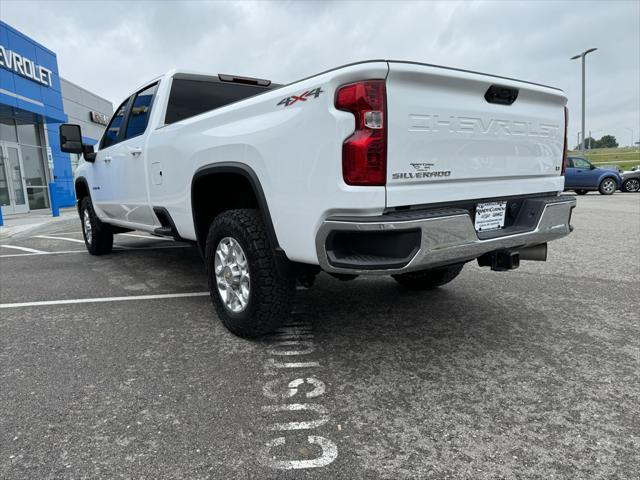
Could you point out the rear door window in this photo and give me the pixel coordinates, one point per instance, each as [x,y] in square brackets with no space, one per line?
[140,112]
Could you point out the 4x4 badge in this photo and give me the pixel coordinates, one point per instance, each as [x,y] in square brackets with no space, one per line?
[315,93]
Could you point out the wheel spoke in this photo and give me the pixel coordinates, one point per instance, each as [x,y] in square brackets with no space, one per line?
[221,258]
[240,297]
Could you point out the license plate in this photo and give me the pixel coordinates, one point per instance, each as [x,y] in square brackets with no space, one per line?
[490,216]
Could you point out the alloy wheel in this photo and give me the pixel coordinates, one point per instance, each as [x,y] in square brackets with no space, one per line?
[632,185]
[232,275]
[608,186]
[86,225]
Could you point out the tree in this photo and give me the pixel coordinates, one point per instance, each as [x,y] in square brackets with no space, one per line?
[590,142]
[607,141]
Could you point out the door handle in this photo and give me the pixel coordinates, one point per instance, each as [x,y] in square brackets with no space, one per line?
[135,151]
[107,159]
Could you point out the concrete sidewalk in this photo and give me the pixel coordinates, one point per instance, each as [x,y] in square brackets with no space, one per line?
[29,223]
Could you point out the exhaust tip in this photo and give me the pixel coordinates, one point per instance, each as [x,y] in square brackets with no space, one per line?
[537,253]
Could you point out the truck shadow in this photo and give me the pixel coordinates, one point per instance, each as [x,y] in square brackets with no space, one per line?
[376,315]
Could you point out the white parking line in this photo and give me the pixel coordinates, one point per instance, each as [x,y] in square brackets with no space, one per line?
[148,237]
[104,299]
[116,247]
[74,240]
[24,249]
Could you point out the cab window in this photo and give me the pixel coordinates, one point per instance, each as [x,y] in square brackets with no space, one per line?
[189,98]
[140,111]
[113,129]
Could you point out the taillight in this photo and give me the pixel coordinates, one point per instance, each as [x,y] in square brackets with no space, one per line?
[566,142]
[364,154]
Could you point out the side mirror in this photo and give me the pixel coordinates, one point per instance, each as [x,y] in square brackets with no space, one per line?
[592,166]
[71,142]
[70,138]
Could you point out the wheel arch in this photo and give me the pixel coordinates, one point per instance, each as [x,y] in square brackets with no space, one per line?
[81,188]
[212,173]
[604,176]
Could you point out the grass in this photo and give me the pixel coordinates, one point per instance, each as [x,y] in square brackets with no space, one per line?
[625,158]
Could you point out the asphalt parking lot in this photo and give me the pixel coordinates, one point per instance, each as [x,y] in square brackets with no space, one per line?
[533,373]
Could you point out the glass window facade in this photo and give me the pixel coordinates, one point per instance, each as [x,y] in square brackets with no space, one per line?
[28,133]
[28,170]
[31,111]
[35,175]
[8,131]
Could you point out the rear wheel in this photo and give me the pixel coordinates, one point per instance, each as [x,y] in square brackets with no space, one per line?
[631,185]
[581,192]
[250,296]
[428,279]
[607,186]
[98,236]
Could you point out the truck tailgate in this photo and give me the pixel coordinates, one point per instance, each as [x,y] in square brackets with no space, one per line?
[447,142]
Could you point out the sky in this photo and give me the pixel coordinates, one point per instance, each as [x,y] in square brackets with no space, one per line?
[111,47]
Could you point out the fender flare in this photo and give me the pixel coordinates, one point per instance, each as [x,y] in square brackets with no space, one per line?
[251,176]
[81,181]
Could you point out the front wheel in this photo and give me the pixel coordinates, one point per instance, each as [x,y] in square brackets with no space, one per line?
[581,192]
[250,296]
[607,186]
[631,185]
[98,236]
[428,279]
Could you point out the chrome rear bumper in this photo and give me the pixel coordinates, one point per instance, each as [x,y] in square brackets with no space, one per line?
[446,236]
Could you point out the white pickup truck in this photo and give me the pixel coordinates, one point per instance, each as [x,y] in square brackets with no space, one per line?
[374,168]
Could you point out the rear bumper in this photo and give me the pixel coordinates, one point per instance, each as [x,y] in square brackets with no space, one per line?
[416,240]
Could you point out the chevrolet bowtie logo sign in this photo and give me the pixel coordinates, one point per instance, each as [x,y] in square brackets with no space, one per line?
[422,167]
[25,67]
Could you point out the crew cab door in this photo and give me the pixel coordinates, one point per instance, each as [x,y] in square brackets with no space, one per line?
[120,163]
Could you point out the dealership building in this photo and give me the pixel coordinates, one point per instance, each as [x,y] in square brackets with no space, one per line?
[34,101]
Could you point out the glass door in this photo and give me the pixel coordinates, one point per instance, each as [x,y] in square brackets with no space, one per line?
[13,198]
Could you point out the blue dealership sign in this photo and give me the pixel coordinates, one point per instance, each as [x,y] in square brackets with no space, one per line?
[30,92]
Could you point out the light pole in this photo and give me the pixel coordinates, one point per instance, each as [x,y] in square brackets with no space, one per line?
[591,136]
[582,55]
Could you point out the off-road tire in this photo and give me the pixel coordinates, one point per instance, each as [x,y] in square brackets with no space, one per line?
[270,294]
[581,192]
[604,187]
[428,279]
[100,240]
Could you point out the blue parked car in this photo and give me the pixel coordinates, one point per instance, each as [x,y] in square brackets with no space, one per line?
[581,177]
